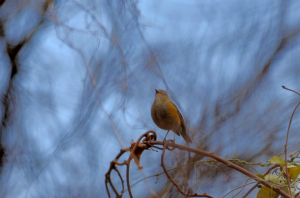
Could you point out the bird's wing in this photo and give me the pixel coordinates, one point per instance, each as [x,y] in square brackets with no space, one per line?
[182,130]
[173,110]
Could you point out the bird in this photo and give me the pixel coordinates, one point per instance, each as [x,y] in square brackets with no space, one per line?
[166,115]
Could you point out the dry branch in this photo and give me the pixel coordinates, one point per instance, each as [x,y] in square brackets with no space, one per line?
[149,141]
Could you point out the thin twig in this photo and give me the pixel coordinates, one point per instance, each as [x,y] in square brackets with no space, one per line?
[255,186]
[284,87]
[107,175]
[287,139]
[242,188]
[166,144]
[251,189]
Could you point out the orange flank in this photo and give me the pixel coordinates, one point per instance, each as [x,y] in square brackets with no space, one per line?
[174,112]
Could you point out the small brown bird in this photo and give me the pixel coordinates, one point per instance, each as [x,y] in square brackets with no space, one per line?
[166,115]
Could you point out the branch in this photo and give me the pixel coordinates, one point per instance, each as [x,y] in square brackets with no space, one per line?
[107,175]
[224,161]
[134,155]
[149,141]
[136,150]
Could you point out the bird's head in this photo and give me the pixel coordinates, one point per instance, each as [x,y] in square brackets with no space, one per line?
[161,94]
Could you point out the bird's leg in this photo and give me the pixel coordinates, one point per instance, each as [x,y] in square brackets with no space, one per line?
[166,136]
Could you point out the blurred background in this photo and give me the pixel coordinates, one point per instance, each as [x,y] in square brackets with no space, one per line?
[78,78]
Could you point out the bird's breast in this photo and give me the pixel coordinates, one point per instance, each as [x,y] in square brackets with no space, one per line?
[165,115]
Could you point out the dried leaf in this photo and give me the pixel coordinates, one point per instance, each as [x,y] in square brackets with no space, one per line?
[138,152]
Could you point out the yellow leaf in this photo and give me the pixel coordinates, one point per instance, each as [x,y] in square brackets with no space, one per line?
[294,172]
[266,192]
[277,160]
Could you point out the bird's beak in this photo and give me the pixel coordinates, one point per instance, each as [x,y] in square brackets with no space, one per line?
[156,91]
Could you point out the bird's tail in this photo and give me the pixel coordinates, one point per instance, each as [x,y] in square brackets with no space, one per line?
[182,129]
[186,137]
